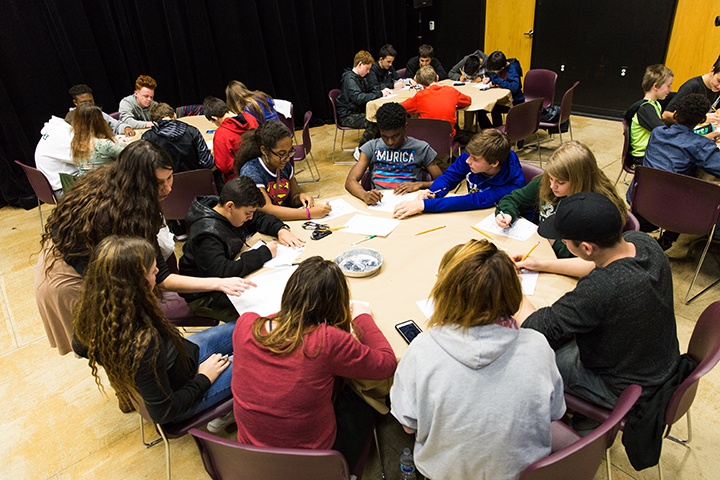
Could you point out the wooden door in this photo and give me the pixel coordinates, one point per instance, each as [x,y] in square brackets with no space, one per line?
[507,23]
[694,40]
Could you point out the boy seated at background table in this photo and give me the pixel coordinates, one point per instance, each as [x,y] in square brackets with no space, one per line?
[435,101]
[83,94]
[470,69]
[425,56]
[134,109]
[504,73]
[490,169]
[657,84]
[394,160]
[218,228]
[382,73]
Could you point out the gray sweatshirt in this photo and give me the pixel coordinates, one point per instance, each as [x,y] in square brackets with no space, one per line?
[132,113]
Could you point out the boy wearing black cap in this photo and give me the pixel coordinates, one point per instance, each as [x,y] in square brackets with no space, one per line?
[617,327]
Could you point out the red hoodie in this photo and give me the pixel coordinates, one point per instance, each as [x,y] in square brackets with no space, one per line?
[227,140]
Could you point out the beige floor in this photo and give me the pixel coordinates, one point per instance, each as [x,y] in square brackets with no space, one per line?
[56,425]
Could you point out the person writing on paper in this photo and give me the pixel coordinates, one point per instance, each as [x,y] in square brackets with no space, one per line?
[119,326]
[617,327]
[707,85]
[265,156]
[218,228]
[287,366]
[382,73]
[572,168]
[490,169]
[470,69]
[475,350]
[394,161]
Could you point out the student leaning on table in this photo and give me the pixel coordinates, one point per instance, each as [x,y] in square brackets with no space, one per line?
[572,168]
[394,160]
[490,169]
[135,109]
[286,366]
[265,156]
[617,327]
[119,326]
[707,85]
[83,94]
[478,392]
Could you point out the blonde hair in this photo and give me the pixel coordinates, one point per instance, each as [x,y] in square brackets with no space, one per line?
[426,76]
[239,98]
[574,163]
[656,74]
[477,285]
[88,124]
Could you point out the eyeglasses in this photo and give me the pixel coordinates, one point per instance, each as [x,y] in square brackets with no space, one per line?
[283,156]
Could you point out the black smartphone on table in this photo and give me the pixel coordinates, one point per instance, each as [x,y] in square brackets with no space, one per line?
[408,330]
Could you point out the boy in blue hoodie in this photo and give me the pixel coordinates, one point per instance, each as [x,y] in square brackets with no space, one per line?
[490,169]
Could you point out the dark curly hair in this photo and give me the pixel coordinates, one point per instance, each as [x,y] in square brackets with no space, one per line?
[692,109]
[266,135]
[391,116]
[80,89]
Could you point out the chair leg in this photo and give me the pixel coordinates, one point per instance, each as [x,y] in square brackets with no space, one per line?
[660,476]
[377,447]
[689,433]
[335,140]
[570,128]
[40,213]
[697,271]
[312,159]
[608,464]
[619,174]
[167,451]
[142,435]
[537,140]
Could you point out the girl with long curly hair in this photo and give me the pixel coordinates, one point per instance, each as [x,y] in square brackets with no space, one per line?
[93,142]
[259,104]
[122,198]
[119,325]
[286,366]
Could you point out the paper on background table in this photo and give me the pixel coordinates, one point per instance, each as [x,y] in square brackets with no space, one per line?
[427,307]
[390,200]
[285,255]
[529,281]
[209,144]
[340,207]
[369,225]
[265,298]
[521,229]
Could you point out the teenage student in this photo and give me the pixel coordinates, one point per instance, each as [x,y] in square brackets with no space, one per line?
[707,84]
[287,366]
[425,56]
[382,73]
[265,156]
[119,326]
[93,142]
[83,94]
[490,169]
[572,168]
[258,104]
[478,392]
[135,109]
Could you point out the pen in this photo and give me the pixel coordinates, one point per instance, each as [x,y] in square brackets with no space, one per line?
[369,237]
[531,250]
[435,192]
[481,232]
[431,230]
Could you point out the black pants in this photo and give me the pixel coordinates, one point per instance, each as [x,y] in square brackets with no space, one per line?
[358,120]
[355,419]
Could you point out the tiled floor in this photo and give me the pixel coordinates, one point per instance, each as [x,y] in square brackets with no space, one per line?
[57,425]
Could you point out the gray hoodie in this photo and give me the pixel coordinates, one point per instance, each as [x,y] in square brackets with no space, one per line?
[131,113]
[455,72]
[481,401]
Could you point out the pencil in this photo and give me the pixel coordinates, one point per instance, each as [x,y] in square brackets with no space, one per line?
[531,250]
[336,228]
[714,109]
[481,232]
[369,237]
[431,230]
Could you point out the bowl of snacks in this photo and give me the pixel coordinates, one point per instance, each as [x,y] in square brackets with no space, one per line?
[359,262]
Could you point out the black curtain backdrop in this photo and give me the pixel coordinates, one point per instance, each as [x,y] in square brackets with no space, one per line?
[294,50]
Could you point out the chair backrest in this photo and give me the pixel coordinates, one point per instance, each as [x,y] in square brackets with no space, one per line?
[187,186]
[676,202]
[523,120]
[307,142]
[115,115]
[401,72]
[581,460]
[540,83]
[438,133]
[530,171]
[39,183]
[333,95]
[627,161]
[704,348]
[631,223]
[566,104]
[226,459]
[289,122]
[190,110]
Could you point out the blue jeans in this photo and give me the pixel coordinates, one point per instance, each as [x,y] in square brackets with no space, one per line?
[581,381]
[213,340]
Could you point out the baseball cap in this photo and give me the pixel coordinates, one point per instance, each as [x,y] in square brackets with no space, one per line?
[584,217]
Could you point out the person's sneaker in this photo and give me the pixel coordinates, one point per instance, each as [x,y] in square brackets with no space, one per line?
[664,242]
[356,153]
[180,238]
[221,423]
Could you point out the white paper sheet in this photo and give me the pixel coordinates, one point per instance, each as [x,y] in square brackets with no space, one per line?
[340,207]
[368,225]
[427,307]
[521,229]
[529,281]
[390,200]
[284,257]
[209,144]
[282,107]
[265,298]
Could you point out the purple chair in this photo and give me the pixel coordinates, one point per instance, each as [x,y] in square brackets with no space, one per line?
[565,110]
[522,121]
[333,95]
[631,223]
[438,133]
[41,186]
[628,166]
[289,122]
[229,460]
[178,429]
[401,72]
[580,460]
[115,115]
[303,151]
[530,171]
[186,186]
[540,83]
[677,203]
[704,348]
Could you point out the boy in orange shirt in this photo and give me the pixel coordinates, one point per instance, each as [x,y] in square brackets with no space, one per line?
[435,101]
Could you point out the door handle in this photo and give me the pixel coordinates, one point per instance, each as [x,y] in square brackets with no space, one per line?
[530,33]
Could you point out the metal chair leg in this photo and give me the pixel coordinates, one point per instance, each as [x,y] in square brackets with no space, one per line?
[697,271]
[660,475]
[41,219]
[608,464]
[689,434]
[377,446]
[570,128]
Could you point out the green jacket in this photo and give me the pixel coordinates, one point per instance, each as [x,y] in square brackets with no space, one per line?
[525,199]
